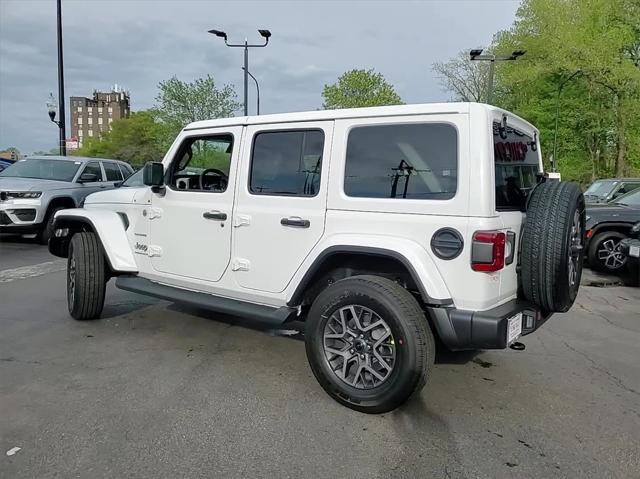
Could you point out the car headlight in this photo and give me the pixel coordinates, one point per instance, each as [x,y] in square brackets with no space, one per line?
[24,194]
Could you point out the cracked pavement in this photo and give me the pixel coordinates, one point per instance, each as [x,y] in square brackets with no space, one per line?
[160,390]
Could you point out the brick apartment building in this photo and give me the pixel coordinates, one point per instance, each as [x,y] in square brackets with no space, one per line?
[92,116]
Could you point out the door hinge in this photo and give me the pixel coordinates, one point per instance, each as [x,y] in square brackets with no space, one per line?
[241,220]
[154,250]
[154,213]
[240,264]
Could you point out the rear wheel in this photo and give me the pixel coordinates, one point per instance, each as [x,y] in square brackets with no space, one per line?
[605,254]
[86,279]
[368,343]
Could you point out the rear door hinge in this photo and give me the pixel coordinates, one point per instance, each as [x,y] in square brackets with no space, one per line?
[241,220]
[154,250]
[240,264]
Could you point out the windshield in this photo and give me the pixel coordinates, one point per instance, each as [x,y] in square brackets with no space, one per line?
[630,199]
[134,180]
[601,188]
[60,170]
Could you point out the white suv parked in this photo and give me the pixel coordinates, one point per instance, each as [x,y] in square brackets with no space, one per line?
[381,228]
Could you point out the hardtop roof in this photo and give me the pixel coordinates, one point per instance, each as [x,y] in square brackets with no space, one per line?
[320,115]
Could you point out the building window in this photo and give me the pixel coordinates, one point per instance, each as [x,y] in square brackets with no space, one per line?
[90,132]
[286,163]
[110,120]
[110,110]
[99,109]
[80,109]
[79,120]
[90,121]
[413,161]
[80,133]
[99,120]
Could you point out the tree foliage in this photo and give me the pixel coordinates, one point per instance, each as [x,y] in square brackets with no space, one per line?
[359,88]
[146,135]
[466,80]
[138,139]
[599,124]
[180,103]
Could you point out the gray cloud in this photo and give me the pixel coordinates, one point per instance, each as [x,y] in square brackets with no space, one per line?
[138,43]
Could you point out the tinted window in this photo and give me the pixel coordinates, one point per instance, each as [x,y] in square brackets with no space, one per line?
[630,199]
[93,168]
[61,170]
[418,161]
[112,171]
[202,164]
[287,163]
[516,166]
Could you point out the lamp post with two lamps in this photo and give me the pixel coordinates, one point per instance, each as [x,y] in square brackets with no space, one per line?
[266,34]
[477,55]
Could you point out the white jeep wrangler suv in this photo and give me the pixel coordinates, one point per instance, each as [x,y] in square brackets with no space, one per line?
[381,228]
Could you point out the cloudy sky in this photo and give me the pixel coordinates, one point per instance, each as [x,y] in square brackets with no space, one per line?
[137,43]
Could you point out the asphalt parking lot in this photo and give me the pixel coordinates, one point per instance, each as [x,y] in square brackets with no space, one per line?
[159,390]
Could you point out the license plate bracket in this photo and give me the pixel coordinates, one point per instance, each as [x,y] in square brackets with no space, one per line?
[514,328]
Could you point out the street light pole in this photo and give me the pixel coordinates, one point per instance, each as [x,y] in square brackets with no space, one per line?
[257,91]
[266,34]
[476,55]
[61,120]
[555,134]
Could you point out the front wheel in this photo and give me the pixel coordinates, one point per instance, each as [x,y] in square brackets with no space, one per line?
[86,279]
[368,343]
[605,254]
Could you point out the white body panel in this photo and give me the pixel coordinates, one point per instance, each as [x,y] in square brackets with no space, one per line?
[110,229]
[254,258]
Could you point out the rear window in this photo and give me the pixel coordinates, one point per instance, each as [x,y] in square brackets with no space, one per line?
[412,161]
[516,166]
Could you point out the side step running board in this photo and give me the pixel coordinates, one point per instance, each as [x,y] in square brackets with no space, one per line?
[218,304]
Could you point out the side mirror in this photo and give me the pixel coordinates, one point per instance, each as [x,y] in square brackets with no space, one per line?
[153,174]
[88,178]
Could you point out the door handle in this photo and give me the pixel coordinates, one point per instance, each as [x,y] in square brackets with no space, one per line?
[295,221]
[214,215]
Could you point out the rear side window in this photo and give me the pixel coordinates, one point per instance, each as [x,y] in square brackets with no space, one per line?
[412,161]
[112,171]
[516,166]
[286,163]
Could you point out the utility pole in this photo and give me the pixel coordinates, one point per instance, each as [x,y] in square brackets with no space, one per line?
[61,120]
[266,34]
[476,55]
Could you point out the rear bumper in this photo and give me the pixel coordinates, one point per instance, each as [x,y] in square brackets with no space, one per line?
[461,329]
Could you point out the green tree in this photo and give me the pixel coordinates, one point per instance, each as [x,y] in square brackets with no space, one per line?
[180,103]
[466,80]
[599,121]
[138,139]
[359,88]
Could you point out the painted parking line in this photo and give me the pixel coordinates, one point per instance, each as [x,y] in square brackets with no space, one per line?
[24,272]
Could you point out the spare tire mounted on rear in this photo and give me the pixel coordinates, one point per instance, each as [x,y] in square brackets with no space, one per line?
[552,245]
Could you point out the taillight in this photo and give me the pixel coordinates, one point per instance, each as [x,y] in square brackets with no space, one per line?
[487,251]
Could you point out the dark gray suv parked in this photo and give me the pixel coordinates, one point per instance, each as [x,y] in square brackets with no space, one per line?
[33,189]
